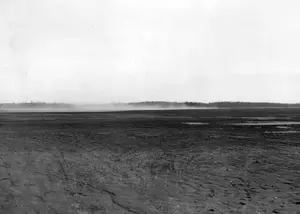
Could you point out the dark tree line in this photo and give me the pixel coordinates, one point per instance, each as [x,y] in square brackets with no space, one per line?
[216,104]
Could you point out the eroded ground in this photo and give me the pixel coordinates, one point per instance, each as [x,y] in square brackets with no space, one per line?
[150,162]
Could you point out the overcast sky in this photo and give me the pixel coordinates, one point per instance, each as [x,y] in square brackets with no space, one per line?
[94,51]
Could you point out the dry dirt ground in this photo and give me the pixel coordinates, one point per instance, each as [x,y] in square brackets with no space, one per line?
[149,162]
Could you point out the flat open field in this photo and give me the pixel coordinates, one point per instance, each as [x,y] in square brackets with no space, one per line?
[172,161]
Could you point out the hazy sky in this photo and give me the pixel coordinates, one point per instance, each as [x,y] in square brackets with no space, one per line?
[132,50]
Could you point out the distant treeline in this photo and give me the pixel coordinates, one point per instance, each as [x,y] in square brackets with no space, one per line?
[216,104]
[148,104]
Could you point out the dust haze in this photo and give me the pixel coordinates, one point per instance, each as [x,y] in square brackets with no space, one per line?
[90,107]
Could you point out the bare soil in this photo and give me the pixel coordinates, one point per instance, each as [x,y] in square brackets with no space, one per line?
[149,162]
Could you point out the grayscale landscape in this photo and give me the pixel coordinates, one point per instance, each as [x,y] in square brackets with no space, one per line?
[149,107]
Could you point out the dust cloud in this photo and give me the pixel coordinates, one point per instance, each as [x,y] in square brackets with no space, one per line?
[87,107]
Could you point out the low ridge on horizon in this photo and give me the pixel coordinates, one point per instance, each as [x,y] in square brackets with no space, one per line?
[143,104]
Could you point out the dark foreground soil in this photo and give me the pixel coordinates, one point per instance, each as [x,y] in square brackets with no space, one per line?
[149,162]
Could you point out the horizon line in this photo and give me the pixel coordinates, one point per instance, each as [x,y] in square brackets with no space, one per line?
[150,101]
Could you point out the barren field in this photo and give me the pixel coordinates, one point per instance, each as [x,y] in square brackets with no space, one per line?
[154,162]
